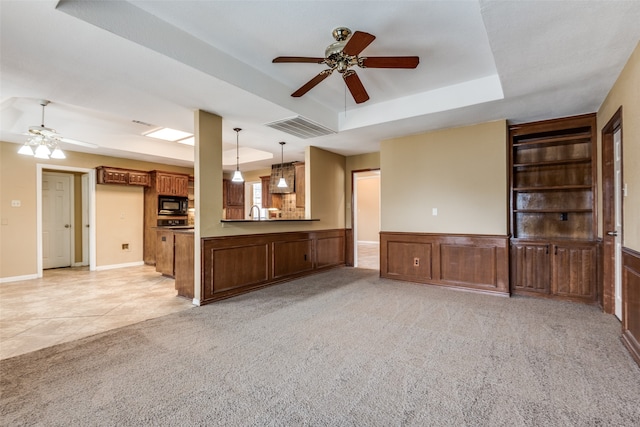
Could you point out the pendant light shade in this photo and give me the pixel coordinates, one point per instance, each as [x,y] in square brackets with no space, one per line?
[282,183]
[237,175]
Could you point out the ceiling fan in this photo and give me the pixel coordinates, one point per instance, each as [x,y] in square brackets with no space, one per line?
[43,141]
[342,55]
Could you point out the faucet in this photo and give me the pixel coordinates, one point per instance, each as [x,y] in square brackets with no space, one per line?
[251,212]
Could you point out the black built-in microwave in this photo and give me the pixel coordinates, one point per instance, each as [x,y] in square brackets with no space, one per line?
[171,205]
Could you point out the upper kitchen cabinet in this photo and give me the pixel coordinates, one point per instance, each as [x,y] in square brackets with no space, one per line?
[269,200]
[170,184]
[233,199]
[110,175]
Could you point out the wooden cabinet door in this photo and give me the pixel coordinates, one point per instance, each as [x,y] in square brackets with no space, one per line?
[574,271]
[266,196]
[235,194]
[530,267]
[164,184]
[235,212]
[164,252]
[292,257]
[181,185]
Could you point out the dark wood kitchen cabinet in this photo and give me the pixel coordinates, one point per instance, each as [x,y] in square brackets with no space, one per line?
[164,252]
[111,175]
[233,199]
[553,221]
[269,200]
[170,184]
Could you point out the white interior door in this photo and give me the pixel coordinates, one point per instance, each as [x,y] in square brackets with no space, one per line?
[617,185]
[56,220]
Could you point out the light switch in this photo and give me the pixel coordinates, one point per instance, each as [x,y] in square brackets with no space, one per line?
[434,211]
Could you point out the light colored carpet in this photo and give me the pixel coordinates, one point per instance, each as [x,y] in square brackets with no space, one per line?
[343,347]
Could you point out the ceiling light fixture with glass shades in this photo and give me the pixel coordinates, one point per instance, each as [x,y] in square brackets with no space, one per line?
[43,141]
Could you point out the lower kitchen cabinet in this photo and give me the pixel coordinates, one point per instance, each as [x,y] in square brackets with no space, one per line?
[566,270]
[164,252]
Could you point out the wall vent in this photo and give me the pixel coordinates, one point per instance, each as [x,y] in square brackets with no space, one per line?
[300,127]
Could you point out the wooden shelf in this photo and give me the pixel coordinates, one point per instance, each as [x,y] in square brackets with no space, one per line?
[553,210]
[552,163]
[553,188]
[584,137]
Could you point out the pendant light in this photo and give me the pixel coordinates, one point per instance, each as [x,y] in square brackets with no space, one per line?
[282,183]
[237,175]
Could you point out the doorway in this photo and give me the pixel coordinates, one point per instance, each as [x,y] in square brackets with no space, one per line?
[57,219]
[366,219]
[85,218]
[612,199]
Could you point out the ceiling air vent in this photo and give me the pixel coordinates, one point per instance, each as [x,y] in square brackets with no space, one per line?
[300,127]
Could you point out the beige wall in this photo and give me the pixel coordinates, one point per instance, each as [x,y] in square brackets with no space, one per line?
[368,204]
[626,93]
[120,210]
[462,172]
[357,163]
[18,225]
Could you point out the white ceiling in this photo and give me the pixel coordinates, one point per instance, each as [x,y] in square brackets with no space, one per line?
[103,64]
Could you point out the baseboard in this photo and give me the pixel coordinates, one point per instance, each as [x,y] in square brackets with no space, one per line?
[114,266]
[369,242]
[18,278]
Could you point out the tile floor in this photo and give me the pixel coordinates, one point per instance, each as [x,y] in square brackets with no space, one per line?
[369,255]
[72,303]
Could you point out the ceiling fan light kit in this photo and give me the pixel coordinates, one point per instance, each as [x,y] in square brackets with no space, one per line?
[43,144]
[342,55]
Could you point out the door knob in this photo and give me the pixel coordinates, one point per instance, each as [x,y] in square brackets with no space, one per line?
[67,226]
[612,233]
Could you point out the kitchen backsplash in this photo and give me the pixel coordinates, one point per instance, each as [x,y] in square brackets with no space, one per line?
[289,209]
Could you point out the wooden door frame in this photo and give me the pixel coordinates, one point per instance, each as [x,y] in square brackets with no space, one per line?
[350,233]
[607,293]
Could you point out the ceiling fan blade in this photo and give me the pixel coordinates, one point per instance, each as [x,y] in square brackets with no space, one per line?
[312,83]
[390,62]
[358,41]
[355,86]
[298,59]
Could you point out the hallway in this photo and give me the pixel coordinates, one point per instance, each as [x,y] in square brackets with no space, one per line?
[73,303]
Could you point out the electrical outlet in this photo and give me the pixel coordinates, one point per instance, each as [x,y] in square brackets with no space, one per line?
[434,211]
[125,246]
[416,262]
[16,203]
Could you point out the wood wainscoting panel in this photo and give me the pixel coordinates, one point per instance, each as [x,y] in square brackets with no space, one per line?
[232,265]
[348,249]
[475,262]
[468,264]
[631,302]
[291,257]
[408,260]
[330,251]
[240,266]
